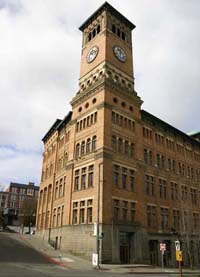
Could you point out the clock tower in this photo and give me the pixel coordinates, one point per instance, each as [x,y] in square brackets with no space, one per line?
[106,114]
[107,52]
[106,45]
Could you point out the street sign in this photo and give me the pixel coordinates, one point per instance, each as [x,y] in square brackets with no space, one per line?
[177,245]
[179,257]
[100,236]
[162,247]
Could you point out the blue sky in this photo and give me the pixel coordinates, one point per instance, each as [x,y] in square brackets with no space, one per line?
[40,58]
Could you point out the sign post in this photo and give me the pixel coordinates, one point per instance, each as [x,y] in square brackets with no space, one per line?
[162,249]
[179,259]
[179,256]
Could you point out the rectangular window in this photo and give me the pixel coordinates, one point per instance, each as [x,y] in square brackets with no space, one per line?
[54,219]
[62,216]
[89,215]
[58,217]
[193,193]
[61,188]
[89,202]
[196,221]
[149,185]
[76,181]
[90,176]
[56,191]
[126,147]
[124,177]
[174,191]
[120,144]
[113,117]
[116,209]
[116,175]
[132,179]
[151,216]
[132,153]
[164,218]
[83,178]
[186,220]
[176,219]
[82,216]
[162,188]
[184,193]
[133,210]
[145,156]
[75,216]
[124,210]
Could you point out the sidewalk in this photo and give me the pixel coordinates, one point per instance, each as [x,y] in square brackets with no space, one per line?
[67,260]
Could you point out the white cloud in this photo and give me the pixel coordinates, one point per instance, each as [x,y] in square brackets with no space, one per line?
[40,57]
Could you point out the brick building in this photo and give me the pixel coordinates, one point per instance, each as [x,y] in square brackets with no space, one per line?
[17,195]
[110,162]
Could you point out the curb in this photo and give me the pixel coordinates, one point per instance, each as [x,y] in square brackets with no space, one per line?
[50,259]
[47,257]
[102,269]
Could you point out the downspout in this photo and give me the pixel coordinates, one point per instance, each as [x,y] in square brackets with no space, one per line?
[53,191]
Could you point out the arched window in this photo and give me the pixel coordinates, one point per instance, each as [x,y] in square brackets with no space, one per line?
[118,32]
[83,148]
[113,29]
[89,36]
[77,150]
[94,33]
[88,146]
[98,29]
[123,36]
[41,198]
[84,123]
[88,121]
[95,117]
[91,119]
[94,143]
[49,193]
[81,124]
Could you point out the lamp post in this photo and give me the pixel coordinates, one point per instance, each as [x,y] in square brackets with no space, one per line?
[98,210]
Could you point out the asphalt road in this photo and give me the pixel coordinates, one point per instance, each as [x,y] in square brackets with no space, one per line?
[17,259]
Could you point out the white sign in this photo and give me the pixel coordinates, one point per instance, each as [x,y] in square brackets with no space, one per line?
[177,245]
[162,247]
[94,259]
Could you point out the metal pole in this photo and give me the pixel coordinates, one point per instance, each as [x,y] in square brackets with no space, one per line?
[162,260]
[180,269]
[98,209]
[97,237]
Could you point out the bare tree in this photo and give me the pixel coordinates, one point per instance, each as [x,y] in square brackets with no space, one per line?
[28,212]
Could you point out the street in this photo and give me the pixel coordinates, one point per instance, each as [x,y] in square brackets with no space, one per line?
[19,260]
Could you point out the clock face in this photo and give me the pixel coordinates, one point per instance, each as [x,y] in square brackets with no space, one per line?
[119,53]
[92,54]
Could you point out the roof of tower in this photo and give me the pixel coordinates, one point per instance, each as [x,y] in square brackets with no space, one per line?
[107,7]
